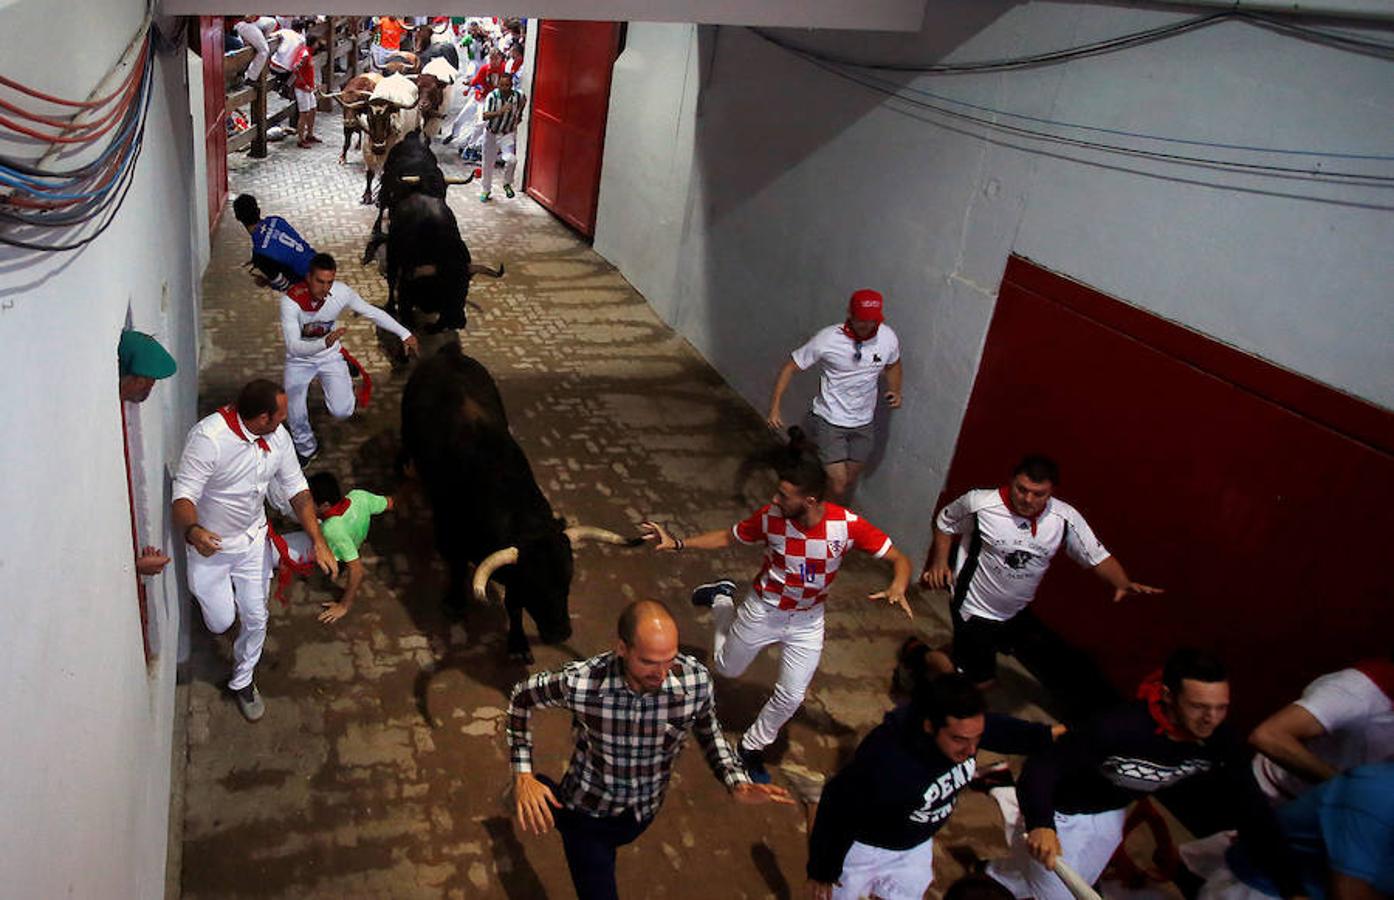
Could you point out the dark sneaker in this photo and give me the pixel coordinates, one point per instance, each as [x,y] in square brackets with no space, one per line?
[508,191]
[307,458]
[706,594]
[754,762]
[250,702]
[448,139]
[804,783]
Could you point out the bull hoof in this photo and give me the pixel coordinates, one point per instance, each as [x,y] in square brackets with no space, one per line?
[343,161]
[367,199]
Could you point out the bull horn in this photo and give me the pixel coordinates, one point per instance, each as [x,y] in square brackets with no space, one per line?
[496,560]
[450,179]
[409,179]
[578,533]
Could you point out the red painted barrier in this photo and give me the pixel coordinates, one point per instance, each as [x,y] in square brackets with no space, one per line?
[1255,496]
[571,97]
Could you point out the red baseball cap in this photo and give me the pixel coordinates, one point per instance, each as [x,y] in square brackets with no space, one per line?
[865,306]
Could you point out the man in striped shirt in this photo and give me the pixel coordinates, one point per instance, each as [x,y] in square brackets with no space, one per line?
[503,110]
[631,709]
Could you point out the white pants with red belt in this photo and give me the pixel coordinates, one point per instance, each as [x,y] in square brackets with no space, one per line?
[333,374]
[233,584]
[742,632]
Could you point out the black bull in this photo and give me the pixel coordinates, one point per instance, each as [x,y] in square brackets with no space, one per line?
[487,508]
[428,263]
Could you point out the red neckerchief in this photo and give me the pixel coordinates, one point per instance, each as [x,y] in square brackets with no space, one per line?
[1005,492]
[1151,690]
[1381,672]
[338,509]
[847,330]
[300,293]
[230,417]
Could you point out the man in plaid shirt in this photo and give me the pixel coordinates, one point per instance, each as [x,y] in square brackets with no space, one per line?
[631,709]
[805,539]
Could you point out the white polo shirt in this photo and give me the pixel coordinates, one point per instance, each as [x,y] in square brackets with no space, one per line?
[226,476]
[1003,556]
[1359,720]
[304,323]
[849,372]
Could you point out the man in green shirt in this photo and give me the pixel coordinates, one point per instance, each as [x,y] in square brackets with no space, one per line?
[344,522]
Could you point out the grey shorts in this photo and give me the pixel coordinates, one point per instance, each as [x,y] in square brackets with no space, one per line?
[837,444]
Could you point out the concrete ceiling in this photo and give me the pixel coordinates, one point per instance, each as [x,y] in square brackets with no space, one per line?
[873,15]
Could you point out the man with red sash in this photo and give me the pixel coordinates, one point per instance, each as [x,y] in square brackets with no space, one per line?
[230,459]
[344,521]
[309,311]
[1342,720]
[1074,796]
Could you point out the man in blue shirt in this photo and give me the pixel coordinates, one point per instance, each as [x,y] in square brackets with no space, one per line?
[280,256]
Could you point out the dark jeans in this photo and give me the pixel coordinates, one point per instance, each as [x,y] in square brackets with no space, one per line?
[590,843]
[1073,681]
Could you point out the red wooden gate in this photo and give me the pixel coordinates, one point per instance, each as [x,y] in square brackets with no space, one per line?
[214,113]
[1255,496]
[571,96]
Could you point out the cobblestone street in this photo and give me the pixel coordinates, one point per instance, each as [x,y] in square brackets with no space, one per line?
[380,768]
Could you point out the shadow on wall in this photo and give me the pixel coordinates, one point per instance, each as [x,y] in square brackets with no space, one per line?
[773,193]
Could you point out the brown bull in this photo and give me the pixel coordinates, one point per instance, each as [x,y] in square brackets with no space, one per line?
[356,91]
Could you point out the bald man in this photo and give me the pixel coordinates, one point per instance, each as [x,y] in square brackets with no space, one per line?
[631,708]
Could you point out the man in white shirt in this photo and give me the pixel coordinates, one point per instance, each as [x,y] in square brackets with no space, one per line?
[309,311]
[1342,720]
[230,460]
[851,358]
[1009,535]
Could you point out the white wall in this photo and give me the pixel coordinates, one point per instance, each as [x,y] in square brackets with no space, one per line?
[87,725]
[746,193]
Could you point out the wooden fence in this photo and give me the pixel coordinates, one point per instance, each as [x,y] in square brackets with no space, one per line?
[350,45]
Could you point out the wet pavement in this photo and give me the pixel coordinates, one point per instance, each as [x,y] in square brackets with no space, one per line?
[380,768]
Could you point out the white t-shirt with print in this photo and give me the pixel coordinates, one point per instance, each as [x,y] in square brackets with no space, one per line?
[1359,722]
[1004,556]
[850,371]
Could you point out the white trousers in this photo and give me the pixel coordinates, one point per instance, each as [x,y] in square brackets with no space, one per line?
[494,144]
[869,871]
[1087,839]
[467,116]
[255,38]
[333,374]
[742,632]
[232,585]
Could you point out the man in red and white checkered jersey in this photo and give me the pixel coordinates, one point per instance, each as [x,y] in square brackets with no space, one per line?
[805,538]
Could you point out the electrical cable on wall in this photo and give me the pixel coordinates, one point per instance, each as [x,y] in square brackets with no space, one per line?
[1110,45]
[37,198]
[863,74]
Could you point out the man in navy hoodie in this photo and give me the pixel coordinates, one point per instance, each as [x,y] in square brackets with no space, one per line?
[1074,796]
[874,829]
